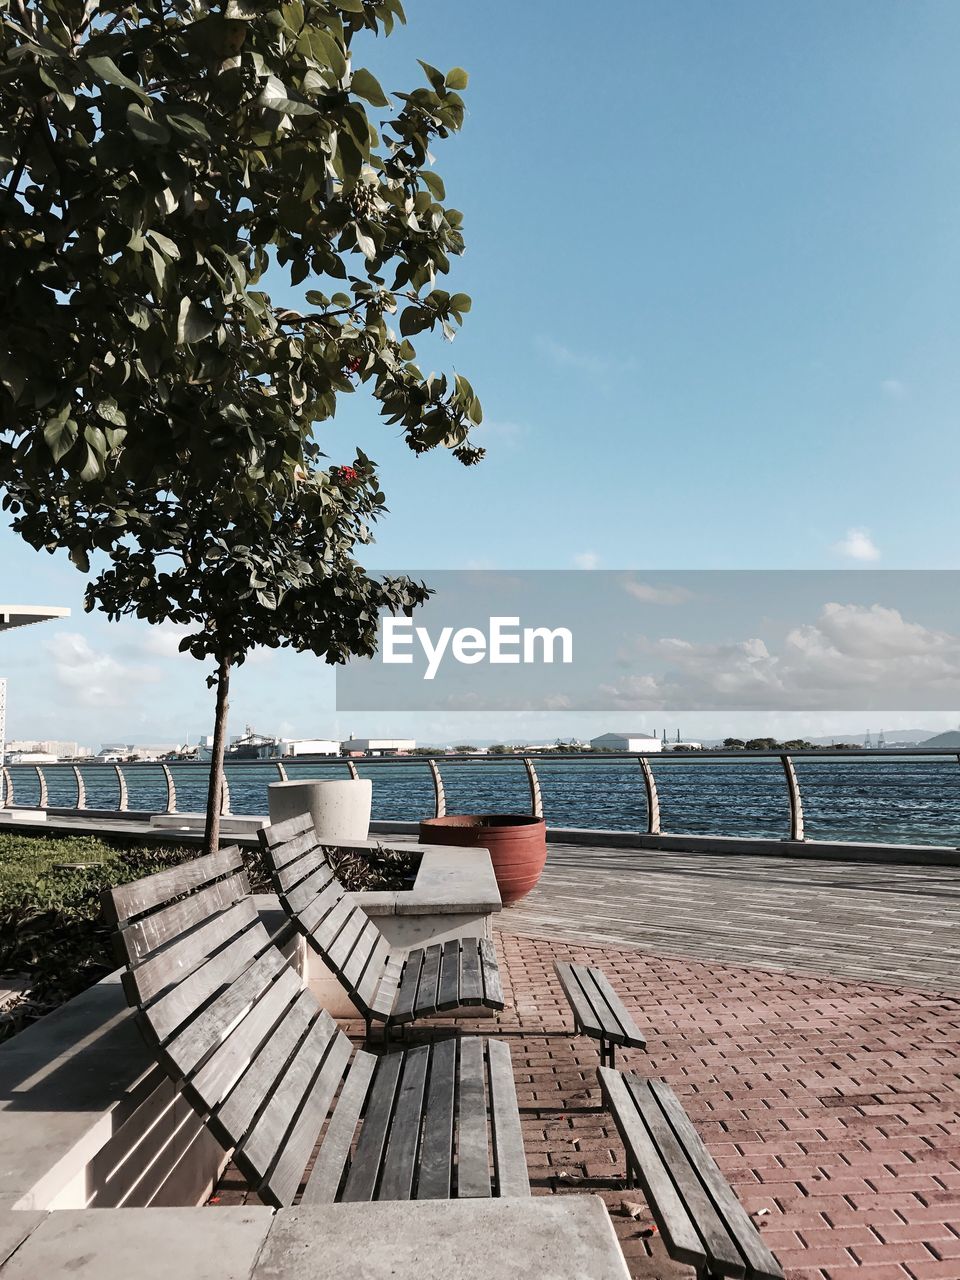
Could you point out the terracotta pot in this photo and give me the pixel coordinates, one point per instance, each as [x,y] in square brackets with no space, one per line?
[517,845]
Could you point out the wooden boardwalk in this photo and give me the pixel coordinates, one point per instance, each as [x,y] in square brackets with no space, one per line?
[896,924]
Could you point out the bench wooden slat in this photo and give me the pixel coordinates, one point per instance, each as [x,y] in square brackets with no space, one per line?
[136,942]
[361,1181]
[399,1164]
[129,900]
[327,1173]
[289,876]
[674,1222]
[719,1246]
[312,916]
[237,1113]
[761,1264]
[271,1129]
[490,974]
[287,1174]
[286,832]
[331,924]
[300,896]
[186,1050]
[171,1010]
[406,997]
[632,1035]
[509,1158]
[342,948]
[429,978]
[473,1165]
[436,1159]
[471,981]
[362,955]
[181,958]
[382,1004]
[448,991]
[225,1065]
[607,1020]
[583,1014]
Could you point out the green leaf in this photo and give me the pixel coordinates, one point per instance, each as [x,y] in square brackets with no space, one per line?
[457,78]
[349,6]
[193,323]
[92,469]
[461,302]
[105,68]
[274,95]
[110,412]
[365,85]
[60,436]
[190,125]
[434,183]
[433,75]
[145,128]
[80,559]
[242,10]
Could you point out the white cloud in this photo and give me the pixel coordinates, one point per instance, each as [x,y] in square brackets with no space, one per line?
[893,388]
[858,545]
[163,640]
[95,678]
[586,560]
[649,594]
[853,655]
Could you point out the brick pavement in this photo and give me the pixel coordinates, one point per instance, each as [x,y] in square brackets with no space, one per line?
[833,1106]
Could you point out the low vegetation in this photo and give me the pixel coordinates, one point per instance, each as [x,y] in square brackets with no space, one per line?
[53,942]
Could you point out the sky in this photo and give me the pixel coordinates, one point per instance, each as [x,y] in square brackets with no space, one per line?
[714,257]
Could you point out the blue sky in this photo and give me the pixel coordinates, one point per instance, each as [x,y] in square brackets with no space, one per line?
[714,257]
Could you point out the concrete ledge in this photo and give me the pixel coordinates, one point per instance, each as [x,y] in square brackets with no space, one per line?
[566,1237]
[145,1244]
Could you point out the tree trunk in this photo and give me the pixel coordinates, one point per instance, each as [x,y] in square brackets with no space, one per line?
[211,841]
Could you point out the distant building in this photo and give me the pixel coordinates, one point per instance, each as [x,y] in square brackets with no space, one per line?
[378,746]
[625,742]
[115,752]
[310,747]
[683,746]
[46,746]
[31,757]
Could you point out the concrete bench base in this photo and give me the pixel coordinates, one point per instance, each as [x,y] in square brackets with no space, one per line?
[550,1237]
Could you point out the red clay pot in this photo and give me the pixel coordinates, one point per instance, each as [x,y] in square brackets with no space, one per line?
[517,844]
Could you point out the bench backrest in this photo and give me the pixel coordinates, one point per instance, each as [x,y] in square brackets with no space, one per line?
[254,1052]
[349,941]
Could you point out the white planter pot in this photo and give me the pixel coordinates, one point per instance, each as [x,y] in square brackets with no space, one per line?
[340,808]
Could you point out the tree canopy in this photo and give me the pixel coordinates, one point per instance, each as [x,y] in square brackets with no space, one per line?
[159,410]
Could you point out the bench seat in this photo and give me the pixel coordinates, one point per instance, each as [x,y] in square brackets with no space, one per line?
[700,1219]
[387,985]
[597,1010]
[274,1078]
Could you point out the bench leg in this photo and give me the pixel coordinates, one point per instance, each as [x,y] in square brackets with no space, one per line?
[608,1052]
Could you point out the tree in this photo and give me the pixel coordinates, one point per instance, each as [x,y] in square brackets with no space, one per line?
[733,744]
[155,161]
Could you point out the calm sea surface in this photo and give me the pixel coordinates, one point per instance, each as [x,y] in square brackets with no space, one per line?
[898,800]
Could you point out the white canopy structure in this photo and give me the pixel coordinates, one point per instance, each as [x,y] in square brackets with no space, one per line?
[21,615]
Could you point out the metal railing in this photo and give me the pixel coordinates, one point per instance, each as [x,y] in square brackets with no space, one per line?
[15,778]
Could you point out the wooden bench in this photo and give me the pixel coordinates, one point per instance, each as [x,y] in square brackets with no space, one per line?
[269,1070]
[387,985]
[597,1010]
[700,1219]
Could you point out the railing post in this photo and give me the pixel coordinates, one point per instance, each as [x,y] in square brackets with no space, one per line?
[281,771]
[41,778]
[7,799]
[653,799]
[536,798]
[796,803]
[122,782]
[353,770]
[171,789]
[439,796]
[81,788]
